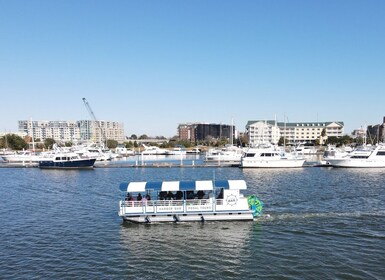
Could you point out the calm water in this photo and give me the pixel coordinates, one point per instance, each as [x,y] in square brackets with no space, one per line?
[318,224]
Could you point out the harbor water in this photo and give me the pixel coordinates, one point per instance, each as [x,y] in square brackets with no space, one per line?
[318,223]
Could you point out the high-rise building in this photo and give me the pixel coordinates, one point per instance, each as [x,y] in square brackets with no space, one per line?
[203,131]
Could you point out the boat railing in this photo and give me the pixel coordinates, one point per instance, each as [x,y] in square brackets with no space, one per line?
[151,203]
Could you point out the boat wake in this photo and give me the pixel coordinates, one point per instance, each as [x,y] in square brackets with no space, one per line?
[277,217]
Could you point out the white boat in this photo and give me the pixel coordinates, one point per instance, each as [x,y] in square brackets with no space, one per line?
[271,157]
[187,201]
[194,151]
[122,151]
[306,150]
[152,150]
[24,157]
[362,157]
[229,155]
[178,150]
[93,151]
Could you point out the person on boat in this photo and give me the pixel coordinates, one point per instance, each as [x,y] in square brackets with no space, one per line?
[170,195]
[220,195]
[128,197]
[162,195]
[201,194]
[148,197]
[179,195]
[190,194]
[139,197]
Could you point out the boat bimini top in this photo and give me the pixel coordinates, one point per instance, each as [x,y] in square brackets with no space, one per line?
[182,185]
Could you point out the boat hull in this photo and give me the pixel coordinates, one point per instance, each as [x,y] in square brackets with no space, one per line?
[196,217]
[357,163]
[281,163]
[75,164]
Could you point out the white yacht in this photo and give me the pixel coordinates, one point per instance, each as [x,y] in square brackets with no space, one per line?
[122,151]
[366,156]
[271,157]
[177,150]
[152,150]
[306,150]
[229,155]
[24,156]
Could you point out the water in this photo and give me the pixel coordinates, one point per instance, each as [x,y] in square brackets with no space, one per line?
[319,223]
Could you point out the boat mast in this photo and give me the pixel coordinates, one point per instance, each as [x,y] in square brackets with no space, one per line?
[33,138]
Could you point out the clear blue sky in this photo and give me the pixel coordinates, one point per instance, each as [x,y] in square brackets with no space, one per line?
[155,64]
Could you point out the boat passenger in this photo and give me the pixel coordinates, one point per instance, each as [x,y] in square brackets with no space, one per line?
[201,194]
[190,194]
[139,197]
[162,195]
[220,195]
[128,197]
[148,197]
[179,195]
[170,195]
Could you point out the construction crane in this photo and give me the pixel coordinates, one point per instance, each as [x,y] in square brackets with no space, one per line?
[102,134]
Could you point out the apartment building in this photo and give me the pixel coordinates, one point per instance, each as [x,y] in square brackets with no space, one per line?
[72,131]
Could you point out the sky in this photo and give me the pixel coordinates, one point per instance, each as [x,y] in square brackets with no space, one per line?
[155,64]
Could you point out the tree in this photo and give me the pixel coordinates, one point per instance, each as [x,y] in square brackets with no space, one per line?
[48,143]
[112,144]
[68,144]
[134,137]
[13,142]
[144,136]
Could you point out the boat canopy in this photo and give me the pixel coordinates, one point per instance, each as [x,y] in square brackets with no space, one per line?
[182,185]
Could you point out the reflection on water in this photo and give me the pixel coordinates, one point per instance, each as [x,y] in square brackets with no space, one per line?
[215,248]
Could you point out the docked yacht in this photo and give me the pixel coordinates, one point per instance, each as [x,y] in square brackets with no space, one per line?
[229,155]
[152,150]
[271,157]
[361,157]
[66,161]
[177,150]
[24,156]
[122,151]
[187,201]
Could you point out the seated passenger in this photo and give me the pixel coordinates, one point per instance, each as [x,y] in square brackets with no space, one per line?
[162,195]
[170,195]
[201,194]
[220,195]
[148,197]
[190,194]
[139,197]
[179,195]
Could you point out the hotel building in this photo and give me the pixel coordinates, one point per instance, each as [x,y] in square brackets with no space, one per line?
[261,131]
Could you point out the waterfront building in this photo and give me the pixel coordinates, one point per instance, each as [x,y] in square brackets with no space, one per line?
[261,131]
[73,131]
[203,131]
